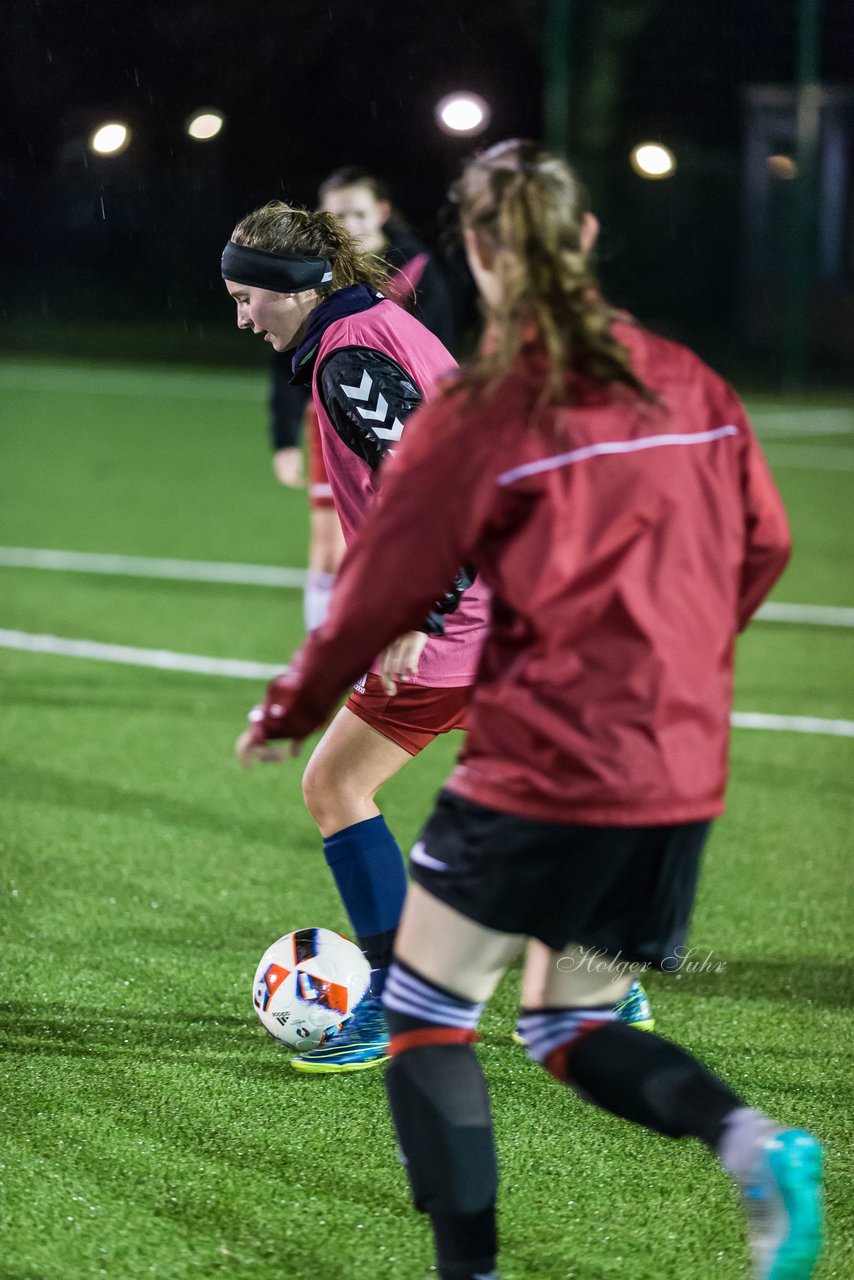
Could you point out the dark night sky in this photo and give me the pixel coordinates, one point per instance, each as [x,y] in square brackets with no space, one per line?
[306,86]
[300,77]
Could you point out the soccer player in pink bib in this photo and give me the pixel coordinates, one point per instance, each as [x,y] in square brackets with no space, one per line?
[415,280]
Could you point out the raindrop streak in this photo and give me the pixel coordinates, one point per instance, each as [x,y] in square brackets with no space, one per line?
[103,210]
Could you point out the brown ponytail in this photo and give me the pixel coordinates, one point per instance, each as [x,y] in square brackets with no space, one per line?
[283,228]
[526,208]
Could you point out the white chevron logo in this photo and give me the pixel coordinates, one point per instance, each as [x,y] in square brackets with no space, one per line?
[378,414]
[394,432]
[362,392]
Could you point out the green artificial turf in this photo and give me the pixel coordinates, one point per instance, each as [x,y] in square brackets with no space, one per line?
[148,1125]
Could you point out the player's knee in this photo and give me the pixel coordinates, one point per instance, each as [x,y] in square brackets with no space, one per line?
[327,796]
[327,542]
[550,1035]
[325,557]
[312,789]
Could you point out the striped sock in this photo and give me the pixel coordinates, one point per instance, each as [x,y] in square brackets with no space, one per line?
[547,1030]
[419,1012]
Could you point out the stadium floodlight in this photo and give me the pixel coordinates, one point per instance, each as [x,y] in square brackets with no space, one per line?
[463,113]
[204,125]
[782,167]
[110,139]
[653,160]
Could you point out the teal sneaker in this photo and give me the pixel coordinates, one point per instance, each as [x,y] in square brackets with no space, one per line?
[635,1010]
[361,1043]
[781,1197]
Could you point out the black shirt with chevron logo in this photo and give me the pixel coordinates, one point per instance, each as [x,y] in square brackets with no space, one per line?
[368,397]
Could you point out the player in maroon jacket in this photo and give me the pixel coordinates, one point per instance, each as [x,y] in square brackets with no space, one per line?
[609,490]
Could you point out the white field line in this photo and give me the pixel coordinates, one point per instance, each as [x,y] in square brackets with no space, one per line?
[254,575]
[268,575]
[816,615]
[792,724]
[164,660]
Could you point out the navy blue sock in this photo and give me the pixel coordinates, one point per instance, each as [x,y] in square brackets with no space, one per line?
[368,867]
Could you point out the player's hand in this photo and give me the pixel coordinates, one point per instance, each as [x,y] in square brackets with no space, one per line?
[250,751]
[288,466]
[399,662]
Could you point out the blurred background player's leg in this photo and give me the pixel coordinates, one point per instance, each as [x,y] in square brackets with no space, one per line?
[293,423]
[326,551]
[326,546]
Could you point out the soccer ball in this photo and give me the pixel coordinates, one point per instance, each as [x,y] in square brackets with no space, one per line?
[307,985]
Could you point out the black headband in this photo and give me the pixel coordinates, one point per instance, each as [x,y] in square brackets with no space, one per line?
[279,272]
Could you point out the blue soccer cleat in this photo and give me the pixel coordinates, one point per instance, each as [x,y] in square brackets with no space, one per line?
[360,1044]
[635,1010]
[781,1196]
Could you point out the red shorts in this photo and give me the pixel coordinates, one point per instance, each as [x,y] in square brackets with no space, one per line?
[412,717]
[319,488]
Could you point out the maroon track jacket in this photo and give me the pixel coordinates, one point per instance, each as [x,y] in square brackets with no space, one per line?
[625,545]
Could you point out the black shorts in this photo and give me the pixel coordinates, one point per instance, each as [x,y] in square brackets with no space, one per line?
[626,890]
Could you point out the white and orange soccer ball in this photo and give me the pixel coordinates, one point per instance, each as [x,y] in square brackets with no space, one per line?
[307,985]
